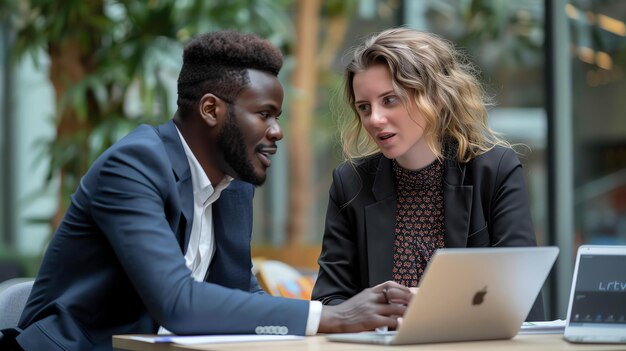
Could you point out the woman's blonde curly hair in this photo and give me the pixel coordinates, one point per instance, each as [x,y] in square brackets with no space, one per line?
[428,69]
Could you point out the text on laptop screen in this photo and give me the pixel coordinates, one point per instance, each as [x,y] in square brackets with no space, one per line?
[600,295]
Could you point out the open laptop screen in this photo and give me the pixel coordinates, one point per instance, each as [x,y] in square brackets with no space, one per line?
[597,305]
[600,293]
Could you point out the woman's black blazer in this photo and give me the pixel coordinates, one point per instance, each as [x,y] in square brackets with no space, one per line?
[485,204]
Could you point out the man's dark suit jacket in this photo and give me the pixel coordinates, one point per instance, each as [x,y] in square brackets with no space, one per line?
[485,204]
[116,263]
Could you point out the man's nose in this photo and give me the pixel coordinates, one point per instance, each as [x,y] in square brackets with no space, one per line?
[274,132]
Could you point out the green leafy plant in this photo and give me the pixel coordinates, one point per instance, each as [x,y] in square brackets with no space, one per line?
[112,64]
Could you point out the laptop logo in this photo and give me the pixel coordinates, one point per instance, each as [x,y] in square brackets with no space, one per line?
[479,297]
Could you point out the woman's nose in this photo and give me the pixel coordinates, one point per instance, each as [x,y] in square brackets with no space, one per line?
[378,116]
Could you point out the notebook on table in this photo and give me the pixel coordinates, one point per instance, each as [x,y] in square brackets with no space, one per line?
[597,302]
[469,294]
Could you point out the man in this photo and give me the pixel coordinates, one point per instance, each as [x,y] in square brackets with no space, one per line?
[158,232]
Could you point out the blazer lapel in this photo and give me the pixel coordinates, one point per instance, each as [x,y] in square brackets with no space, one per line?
[232,226]
[180,167]
[457,203]
[380,221]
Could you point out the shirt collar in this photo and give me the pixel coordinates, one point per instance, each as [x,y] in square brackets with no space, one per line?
[202,188]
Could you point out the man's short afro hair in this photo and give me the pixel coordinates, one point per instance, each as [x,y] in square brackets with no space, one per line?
[217,63]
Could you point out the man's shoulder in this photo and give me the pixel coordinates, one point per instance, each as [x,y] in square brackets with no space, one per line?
[144,134]
[143,140]
[141,148]
[138,158]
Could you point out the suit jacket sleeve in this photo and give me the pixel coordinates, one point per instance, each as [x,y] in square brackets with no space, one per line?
[129,205]
[338,276]
[509,220]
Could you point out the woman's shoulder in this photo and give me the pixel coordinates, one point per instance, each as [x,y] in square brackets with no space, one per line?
[352,177]
[361,165]
[498,160]
[497,155]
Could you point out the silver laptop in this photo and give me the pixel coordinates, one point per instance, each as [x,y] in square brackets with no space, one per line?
[469,294]
[597,302]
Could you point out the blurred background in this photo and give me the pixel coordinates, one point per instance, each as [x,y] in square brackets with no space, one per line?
[77,75]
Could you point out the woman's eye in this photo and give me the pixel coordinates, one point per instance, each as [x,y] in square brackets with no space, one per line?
[363,108]
[390,99]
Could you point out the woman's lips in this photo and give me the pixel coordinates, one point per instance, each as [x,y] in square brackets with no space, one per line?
[384,138]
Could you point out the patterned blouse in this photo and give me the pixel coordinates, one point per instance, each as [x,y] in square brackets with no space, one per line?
[419,221]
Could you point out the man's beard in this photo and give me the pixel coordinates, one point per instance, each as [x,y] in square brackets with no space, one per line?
[230,141]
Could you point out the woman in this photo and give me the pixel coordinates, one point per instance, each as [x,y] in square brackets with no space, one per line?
[428,173]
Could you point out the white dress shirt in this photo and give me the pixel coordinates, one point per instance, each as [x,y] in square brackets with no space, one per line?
[202,239]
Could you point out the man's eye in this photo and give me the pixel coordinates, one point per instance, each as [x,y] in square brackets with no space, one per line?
[267,115]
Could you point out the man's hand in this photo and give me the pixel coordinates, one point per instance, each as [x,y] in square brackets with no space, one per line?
[371,308]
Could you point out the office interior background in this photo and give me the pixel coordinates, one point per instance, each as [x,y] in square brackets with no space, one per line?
[76,76]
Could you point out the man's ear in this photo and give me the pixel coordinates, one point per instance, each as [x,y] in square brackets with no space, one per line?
[211,109]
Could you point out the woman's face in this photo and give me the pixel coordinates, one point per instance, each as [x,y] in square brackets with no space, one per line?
[397,128]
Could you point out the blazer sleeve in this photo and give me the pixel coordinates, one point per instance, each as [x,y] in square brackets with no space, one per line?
[254,285]
[338,276]
[129,205]
[510,222]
